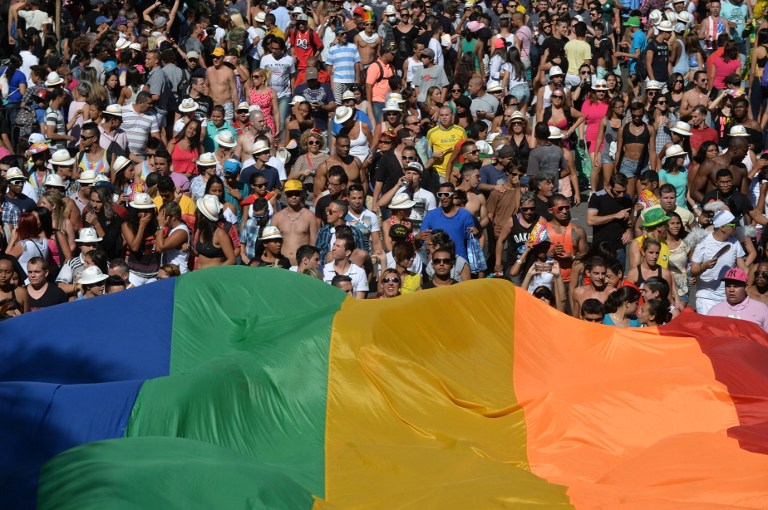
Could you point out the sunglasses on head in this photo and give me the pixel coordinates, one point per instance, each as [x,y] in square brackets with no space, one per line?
[390,280]
[444,194]
[438,260]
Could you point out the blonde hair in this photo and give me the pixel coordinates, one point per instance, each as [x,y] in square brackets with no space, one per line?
[236,20]
[306,135]
[58,215]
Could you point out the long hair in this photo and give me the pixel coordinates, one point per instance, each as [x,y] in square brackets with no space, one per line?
[466,70]
[195,140]
[132,219]
[205,228]
[701,156]
[108,213]
[215,179]
[56,199]
[731,51]
[133,78]
[513,58]
[612,105]
[46,221]
[28,226]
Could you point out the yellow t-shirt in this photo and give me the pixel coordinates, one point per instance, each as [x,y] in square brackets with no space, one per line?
[411,283]
[186,204]
[663,252]
[444,140]
[577,52]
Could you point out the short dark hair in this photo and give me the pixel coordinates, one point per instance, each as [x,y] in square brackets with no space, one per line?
[541,131]
[355,187]
[306,251]
[580,29]
[618,178]
[447,185]
[667,188]
[338,171]
[114,281]
[165,184]
[39,260]
[723,172]
[557,197]
[592,306]
[339,279]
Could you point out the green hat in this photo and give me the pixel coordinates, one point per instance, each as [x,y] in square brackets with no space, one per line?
[654,217]
[634,21]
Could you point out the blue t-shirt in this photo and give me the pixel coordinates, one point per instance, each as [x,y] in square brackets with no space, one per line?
[18,78]
[638,42]
[489,174]
[456,226]
[269,173]
[633,322]
[359,115]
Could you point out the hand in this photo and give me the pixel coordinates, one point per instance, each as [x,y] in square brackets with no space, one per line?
[708,264]
[626,238]
[555,269]
[622,215]
[91,218]
[162,219]
[125,198]
[424,235]
[438,155]
[473,231]
[638,206]
[69,138]
[11,41]
[177,193]
[497,269]
[500,188]
[79,113]
[559,250]
[380,256]
[576,198]
[145,218]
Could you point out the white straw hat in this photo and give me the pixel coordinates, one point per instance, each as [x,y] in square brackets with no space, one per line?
[210,207]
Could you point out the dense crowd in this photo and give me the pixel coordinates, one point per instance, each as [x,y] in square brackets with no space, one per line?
[389,148]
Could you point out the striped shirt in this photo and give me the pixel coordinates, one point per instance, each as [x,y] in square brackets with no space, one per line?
[54,118]
[343,60]
[138,127]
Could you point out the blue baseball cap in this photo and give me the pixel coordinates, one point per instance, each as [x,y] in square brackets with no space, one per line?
[109,65]
[103,19]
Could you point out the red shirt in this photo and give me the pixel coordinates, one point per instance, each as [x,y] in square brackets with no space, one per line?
[304,44]
[699,136]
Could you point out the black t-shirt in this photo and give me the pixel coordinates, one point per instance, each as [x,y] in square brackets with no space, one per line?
[388,170]
[23,202]
[427,284]
[556,49]
[518,236]
[204,105]
[605,205]
[542,208]
[280,263]
[269,173]
[738,204]
[660,60]
[323,204]
[52,296]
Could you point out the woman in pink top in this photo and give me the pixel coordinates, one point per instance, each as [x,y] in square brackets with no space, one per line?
[595,108]
[724,65]
[184,149]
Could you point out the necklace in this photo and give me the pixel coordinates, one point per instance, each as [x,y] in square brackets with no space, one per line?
[617,320]
[296,218]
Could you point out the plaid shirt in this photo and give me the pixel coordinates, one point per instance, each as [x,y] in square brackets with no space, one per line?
[327,232]
[10,214]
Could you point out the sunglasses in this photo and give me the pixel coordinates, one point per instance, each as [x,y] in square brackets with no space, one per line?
[518,123]
[444,194]
[761,274]
[661,103]
[527,209]
[410,158]
[557,97]
[476,151]
[596,319]
[390,280]
[437,261]
[393,113]
[262,185]
[88,137]
[456,91]
[679,81]
[515,174]
[293,193]
[562,208]
[313,142]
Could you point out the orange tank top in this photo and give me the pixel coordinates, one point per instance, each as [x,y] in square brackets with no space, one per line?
[566,240]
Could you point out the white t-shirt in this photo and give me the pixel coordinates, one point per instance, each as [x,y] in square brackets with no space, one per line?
[367,223]
[710,283]
[359,280]
[35,19]
[178,257]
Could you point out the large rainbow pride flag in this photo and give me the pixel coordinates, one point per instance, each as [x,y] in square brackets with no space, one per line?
[241,388]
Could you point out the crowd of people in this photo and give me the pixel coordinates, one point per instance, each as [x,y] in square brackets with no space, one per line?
[389,148]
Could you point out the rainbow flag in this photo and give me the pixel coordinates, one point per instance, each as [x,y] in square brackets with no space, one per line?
[258,388]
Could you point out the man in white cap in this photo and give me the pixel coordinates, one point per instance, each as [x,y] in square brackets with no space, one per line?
[111,131]
[657,54]
[343,64]
[712,258]
[87,241]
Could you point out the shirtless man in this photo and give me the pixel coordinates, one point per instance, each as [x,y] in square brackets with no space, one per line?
[351,165]
[730,159]
[245,141]
[222,85]
[698,95]
[598,287]
[758,290]
[476,204]
[368,43]
[295,222]
[634,148]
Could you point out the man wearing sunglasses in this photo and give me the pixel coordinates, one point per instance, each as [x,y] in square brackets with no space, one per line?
[442,263]
[453,220]
[516,228]
[568,239]
[296,223]
[759,288]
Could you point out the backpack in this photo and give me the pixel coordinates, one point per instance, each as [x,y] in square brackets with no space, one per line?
[394,80]
[764,77]
[26,121]
[182,89]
